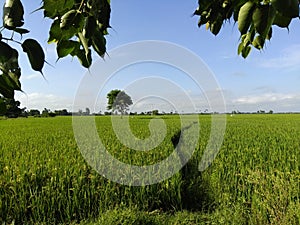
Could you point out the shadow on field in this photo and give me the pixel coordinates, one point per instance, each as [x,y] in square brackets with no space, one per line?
[195,189]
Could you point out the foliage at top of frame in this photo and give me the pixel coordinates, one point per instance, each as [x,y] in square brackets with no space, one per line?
[77,27]
[255,18]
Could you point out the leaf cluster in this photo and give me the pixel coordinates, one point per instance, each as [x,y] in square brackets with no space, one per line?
[255,18]
[10,72]
[78,26]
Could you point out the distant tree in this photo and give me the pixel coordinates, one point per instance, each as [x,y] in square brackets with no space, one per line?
[52,114]
[80,112]
[62,112]
[87,111]
[261,112]
[271,112]
[34,112]
[45,112]
[118,101]
[155,112]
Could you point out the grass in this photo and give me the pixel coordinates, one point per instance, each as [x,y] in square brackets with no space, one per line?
[255,178]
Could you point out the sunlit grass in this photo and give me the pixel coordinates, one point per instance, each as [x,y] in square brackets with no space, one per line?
[254,179]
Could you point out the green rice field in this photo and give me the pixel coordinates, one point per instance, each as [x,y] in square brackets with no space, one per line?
[255,178]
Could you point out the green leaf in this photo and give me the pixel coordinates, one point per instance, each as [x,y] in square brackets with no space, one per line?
[282,21]
[67,47]
[249,36]
[84,43]
[89,27]
[56,8]
[8,85]
[6,52]
[269,35]
[12,65]
[72,18]
[13,13]
[203,18]
[288,8]
[204,4]
[35,54]
[85,60]
[240,48]
[21,30]
[237,6]
[259,42]
[100,9]
[99,43]
[244,17]
[56,34]
[263,17]
[216,26]
[246,51]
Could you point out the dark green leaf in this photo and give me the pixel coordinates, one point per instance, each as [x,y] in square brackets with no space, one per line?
[89,27]
[67,47]
[203,18]
[21,31]
[259,42]
[216,26]
[56,34]
[8,85]
[240,48]
[100,9]
[288,8]
[269,36]
[282,21]
[246,51]
[72,18]
[237,6]
[84,43]
[263,17]
[249,36]
[6,52]
[13,13]
[99,43]
[35,54]
[11,66]
[244,17]
[55,8]
[85,60]
[197,12]
[204,4]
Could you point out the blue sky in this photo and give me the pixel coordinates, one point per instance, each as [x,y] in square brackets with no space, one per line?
[266,80]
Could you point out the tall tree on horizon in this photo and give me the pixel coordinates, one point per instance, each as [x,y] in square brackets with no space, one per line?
[118,101]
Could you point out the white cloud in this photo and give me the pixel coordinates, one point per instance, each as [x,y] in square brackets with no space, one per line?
[276,101]
[289,58]
[43,100]
[264,98]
